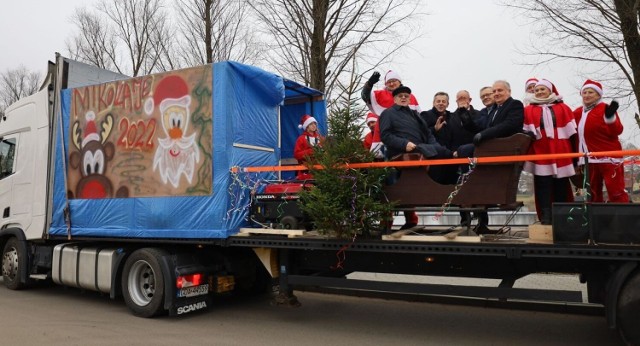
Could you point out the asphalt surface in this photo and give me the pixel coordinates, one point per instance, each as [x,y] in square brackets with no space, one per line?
[54,315]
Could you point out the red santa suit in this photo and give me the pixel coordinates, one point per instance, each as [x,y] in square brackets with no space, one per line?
[381,100]
[368,139]
[305,144]
[553,124]
[597,133]
[551,138]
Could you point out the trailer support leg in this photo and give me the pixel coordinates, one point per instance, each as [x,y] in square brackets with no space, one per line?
[285,295]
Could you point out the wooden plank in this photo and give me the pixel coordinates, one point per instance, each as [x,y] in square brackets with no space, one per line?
[271,231]
[540,234]
[435,238]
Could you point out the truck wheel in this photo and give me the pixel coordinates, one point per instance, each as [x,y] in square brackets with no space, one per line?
[628,310]
[13,258]
[143,282]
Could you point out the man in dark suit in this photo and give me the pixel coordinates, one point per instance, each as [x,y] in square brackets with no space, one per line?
[505,118]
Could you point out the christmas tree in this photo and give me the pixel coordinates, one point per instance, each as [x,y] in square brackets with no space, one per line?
[345,201]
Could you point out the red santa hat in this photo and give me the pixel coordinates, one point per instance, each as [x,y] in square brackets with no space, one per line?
[306,120]
[593,85]
[170,91]
[392,75]
[549,86]
[371,117]
[90,130]
[530,81]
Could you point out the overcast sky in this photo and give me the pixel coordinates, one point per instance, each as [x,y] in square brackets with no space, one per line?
[467,44]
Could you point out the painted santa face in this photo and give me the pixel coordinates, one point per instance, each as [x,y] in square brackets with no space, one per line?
[542,92]
[392,84]
[174,121]
[590,96]
[177,154]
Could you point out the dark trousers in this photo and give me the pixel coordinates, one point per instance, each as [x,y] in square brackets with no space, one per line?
[547,190]
[467,150]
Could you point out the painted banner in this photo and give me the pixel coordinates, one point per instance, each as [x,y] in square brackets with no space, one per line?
[142,137]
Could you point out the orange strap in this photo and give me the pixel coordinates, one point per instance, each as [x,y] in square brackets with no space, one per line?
[414,163]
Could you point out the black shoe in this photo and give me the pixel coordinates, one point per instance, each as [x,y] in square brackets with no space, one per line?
[408,225]
[483,229]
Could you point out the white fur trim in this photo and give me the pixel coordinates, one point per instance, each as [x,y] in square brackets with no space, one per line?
[549,170]
[392,75]
[90,137]
[370,119]
[308,122]
[568,130]
[184,101]
[611,120]
[592,86]
[377,148]
[545,83]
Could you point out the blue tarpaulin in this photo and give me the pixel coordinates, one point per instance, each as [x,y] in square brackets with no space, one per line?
[255,115]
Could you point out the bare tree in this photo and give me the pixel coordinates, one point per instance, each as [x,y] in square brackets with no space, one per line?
[605,33]
[129,36]
[17,83]
[319,40]
[94,43]
[216,30]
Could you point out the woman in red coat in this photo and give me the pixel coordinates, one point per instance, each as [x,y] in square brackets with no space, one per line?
[598,129]
[553,125]
[305,143]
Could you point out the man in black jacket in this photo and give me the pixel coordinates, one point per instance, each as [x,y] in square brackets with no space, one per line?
[402,130]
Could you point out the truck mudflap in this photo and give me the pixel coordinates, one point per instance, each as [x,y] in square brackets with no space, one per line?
[197,298]
[190,304]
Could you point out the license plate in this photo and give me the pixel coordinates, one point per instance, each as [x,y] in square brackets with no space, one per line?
[193,291]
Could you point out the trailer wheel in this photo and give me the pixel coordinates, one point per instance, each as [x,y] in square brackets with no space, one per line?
[13,258]
[143,282]
[628,310]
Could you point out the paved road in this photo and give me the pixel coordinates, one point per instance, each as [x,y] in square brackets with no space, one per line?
[58,316]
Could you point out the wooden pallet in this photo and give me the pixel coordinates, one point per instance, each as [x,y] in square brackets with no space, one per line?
[290,233]
[413,234]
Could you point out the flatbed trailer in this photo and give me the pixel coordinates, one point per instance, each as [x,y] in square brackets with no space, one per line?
[611,273]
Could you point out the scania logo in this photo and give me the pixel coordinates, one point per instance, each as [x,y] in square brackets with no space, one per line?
[191,307]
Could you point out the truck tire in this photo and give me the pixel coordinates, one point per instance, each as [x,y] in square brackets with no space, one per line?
[13,258]
[628,310]
[143,282]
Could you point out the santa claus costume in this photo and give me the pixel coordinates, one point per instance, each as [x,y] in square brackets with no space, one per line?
[305,143]
[553,125]
[378,101]
[371,122]
[528,95]
[598,129]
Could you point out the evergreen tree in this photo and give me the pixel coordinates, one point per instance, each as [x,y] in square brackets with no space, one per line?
[346,201]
